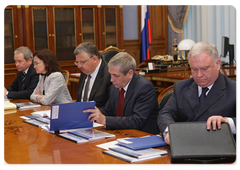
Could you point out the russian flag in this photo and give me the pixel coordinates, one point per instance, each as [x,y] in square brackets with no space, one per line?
[146,35]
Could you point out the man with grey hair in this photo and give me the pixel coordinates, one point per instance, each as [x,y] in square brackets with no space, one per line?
[27,78]
[94,83]
[133,101]
[208,96]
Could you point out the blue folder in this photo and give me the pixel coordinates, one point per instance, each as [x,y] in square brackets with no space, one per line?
[142,143]
[70,116]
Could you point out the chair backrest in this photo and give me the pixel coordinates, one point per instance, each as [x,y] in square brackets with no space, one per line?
[164,96]
[109,52]
[66,76]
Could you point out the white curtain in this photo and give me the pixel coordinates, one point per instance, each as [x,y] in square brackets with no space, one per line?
[210,24]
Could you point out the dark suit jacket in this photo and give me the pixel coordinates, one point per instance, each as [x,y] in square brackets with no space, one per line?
[183,105]
[101,86]
[140,107]
[16,91]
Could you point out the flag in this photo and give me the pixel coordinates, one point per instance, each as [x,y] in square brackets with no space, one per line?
[145,33]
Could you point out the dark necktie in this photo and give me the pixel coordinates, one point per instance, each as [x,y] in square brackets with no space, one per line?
[86,88]
[203,95]
[120,103]
[23,78]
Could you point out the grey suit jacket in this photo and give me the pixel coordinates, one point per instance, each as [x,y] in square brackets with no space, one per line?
[56,91]
[101,86]
[183,105]
[140,107]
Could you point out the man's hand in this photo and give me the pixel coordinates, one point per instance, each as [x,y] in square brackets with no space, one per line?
[167,139]
[216,122]
[96,115]
[5,92]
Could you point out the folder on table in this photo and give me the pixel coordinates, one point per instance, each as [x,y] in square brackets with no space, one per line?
[192,142]
[142,142]
[70,116]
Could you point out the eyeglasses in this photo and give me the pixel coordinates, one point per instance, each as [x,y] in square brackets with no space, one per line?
[81,62]
[36,62]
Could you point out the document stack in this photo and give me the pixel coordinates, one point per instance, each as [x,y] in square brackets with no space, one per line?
[137,149]
[85,135]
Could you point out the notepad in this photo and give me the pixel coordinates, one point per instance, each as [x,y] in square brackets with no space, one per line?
[9,106]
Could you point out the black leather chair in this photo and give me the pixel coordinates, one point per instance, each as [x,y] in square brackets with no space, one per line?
[164,96]
[109,52]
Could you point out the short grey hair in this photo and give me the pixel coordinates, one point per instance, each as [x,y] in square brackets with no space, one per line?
[123,60]
[27,53]
[88,48]
[204,47]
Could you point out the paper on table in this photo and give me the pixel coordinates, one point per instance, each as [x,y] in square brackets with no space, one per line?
[9,106]
[108,145]
[42,113]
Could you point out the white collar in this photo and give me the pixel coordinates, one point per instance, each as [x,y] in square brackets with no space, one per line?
[200,89]
[95,72]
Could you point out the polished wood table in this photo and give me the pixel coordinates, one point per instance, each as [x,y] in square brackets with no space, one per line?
[27,144]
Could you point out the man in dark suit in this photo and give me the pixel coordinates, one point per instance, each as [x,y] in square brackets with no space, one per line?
[94,83]
[208,96]
[133,101]
[27,78]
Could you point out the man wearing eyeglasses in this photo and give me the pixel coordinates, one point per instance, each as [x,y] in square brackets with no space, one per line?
[27,78]
[94,82]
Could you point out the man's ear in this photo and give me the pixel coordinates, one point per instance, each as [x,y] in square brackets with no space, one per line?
[130,73]
[30,60]
[218,63]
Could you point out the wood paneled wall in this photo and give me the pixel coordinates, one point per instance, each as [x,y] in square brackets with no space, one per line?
[159,45]
[159,30]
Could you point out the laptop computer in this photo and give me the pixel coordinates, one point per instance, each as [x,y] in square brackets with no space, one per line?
[191,142]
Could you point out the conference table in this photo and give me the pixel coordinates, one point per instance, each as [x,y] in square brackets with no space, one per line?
[28,144]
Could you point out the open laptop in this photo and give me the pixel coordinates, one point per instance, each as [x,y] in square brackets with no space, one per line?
[191,142]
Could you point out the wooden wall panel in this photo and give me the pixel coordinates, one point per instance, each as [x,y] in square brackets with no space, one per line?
[159,30]
[158,19]
[133,48]
[157,49]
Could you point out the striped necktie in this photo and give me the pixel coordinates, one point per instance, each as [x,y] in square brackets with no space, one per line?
[23,78]
[86,88]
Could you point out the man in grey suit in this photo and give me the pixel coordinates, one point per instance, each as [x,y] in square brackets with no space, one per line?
[133,101]
[208,96]
[94,82]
